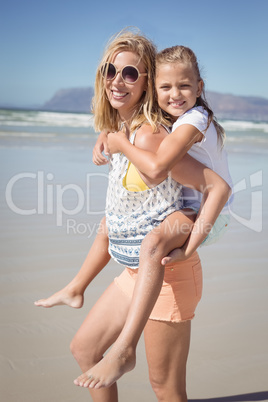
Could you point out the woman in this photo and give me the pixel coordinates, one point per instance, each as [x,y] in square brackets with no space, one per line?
[124,94]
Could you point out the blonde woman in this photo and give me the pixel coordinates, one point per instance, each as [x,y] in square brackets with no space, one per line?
[124,95]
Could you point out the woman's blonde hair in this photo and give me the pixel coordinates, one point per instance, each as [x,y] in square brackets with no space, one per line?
[147,111]
[182,54]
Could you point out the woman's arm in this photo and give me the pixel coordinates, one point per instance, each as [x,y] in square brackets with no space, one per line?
[98,257]
[215,190]
[156,164]
[101,147]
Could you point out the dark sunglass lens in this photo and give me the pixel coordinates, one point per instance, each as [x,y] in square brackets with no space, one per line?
[111,71]
[108,71]
[130,74]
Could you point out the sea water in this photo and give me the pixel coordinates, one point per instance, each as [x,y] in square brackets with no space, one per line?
[48,142]
[28,128]
[55,126]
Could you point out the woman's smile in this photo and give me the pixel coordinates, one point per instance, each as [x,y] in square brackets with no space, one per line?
[118,94]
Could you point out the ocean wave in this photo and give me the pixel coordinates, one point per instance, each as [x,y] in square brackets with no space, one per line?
[45,119]
[26,134]
[38,135]
[239,125]
[244,149]
[247,139]
[38,122]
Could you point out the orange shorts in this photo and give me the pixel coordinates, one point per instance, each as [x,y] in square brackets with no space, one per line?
[180,293]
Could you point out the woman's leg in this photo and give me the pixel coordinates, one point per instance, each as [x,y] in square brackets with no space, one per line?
[167,346]
[99,330]
[73,294]
[172,233]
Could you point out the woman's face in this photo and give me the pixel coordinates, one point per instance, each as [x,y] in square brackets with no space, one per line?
[123,96]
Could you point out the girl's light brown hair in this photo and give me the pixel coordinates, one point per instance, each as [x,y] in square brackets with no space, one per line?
[182,54]
[147,110]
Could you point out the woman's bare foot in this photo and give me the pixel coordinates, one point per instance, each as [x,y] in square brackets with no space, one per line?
[65,296]
[117,362]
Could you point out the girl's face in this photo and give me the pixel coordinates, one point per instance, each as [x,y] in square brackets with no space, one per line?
[123,96]
[177,88]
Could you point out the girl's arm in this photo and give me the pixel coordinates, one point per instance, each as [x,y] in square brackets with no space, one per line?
[191,173]
[216,192]
[159,163]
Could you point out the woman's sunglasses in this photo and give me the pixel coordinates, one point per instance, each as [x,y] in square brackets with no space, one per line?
[129,74]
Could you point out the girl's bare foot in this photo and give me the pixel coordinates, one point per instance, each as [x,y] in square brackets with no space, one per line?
[176,255]
[65,296]
[117,362]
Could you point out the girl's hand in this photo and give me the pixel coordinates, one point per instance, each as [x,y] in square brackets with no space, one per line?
[101,147]
[178,254]
[115,141]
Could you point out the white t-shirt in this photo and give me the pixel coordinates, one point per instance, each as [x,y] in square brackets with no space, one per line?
[208,151]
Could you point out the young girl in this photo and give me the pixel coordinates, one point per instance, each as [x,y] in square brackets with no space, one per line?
[180,93]
[179,90]
[124,94]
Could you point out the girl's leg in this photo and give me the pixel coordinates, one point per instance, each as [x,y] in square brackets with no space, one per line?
[99,330]
[155,246]
[167,346]
[73,294]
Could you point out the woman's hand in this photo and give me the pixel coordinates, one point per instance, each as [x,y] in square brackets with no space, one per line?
[101,147]
[115,140]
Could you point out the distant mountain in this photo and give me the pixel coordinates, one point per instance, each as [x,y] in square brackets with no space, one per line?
[225,106]
[70,100]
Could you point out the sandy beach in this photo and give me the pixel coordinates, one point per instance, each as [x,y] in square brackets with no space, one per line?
[43,245]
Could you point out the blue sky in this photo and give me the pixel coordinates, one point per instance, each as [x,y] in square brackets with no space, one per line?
[47,45]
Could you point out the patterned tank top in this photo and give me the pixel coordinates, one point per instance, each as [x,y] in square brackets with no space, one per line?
[130,215]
